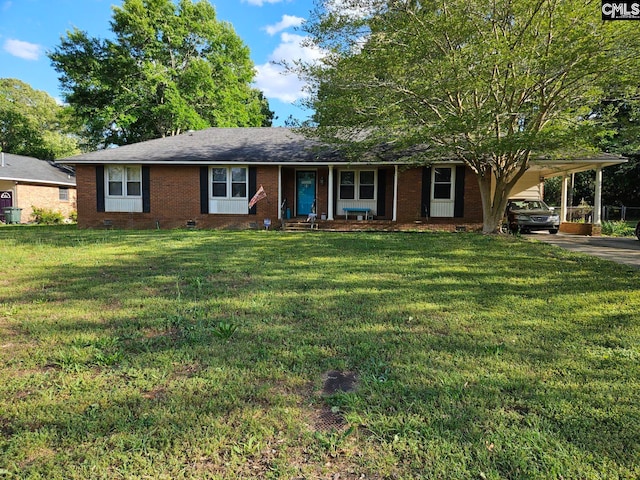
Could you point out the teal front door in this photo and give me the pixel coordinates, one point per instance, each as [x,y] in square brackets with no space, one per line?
[305,192]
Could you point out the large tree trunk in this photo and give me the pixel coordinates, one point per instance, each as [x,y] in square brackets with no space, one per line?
[494,202]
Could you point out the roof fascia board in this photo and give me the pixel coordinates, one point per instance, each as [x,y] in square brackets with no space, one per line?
[33,180]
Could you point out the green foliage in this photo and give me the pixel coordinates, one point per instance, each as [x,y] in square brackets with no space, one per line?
[45,216]
[171,67]
[225,330]
[617,229]
[32,123]
[475,356]
[487,83]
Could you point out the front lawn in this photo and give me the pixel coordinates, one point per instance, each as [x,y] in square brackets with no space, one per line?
[204,354]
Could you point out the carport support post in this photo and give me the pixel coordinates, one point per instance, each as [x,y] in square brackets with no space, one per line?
[597,207]
[563,206]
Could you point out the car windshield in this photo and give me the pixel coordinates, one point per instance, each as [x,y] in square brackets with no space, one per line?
[528,205]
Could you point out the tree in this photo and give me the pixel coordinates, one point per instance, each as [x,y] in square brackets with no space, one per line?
[171,68]
[32,123]
[621,186]
[490,83]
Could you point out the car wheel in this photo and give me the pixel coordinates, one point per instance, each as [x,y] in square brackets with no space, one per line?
[553,231]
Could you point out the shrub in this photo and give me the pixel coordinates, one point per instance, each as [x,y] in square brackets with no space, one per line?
[47,217]
[618,228]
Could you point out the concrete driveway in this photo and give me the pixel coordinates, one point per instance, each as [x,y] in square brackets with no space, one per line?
[621,250]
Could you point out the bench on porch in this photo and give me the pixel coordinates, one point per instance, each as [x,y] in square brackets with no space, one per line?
[356,210]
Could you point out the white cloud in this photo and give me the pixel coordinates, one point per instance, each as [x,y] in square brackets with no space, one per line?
[260,3]
[7,5]
[272,78]
[275,83]
[20,49]
[286,22]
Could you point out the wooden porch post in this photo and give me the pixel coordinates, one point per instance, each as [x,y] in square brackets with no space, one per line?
[597,207]
[563,207]
[330,199]
[279,192]
[395,194]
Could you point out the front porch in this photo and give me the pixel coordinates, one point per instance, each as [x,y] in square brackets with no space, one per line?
[375,225]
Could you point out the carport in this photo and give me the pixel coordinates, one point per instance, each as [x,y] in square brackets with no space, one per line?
[543,168]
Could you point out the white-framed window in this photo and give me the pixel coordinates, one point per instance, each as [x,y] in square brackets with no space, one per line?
[229,190]
[229,182]
[123,188]
[443,191]
[63,194]
[124,181]
[357,185]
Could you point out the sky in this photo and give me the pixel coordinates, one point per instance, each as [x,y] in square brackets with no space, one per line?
[31,28]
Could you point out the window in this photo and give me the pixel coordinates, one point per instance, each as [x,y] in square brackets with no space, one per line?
[367,181]
[219,182]
[347,185]
[124,181]
[442,183]
[229,182]
[63,194]
[442,192]
[358,185]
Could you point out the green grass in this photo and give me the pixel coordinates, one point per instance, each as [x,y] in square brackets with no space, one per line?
[201,354]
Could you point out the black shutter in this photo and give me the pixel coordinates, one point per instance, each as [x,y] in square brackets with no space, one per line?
[146,190]
[100,188]
[204,190]
[253,186]
[382,193]
[458,206]
[426,191]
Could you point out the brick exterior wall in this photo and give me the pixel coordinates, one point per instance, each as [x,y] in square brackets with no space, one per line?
[175,200]
[43,196]
[410,201]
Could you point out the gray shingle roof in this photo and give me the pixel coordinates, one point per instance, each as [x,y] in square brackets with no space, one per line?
[213,145]
[19,168]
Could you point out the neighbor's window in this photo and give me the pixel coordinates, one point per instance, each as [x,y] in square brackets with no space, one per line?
[229,182]
[63,194]
[357,185]
[124,181]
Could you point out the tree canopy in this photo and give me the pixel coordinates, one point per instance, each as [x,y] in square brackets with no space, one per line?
[32,123]
[171,67]
[490,83]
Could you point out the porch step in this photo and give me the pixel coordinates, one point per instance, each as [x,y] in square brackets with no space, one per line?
[299,226]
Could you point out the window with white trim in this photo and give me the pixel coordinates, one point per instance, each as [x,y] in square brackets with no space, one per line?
[229,190]
[442,183]
[357,185]
[442,191]
[124,181]
[229,183]
[123,188]
[63,194]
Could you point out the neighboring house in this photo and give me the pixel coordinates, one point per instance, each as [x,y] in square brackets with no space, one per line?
[207,178]
[27,182]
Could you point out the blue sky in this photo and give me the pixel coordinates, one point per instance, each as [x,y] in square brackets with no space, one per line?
[31,28]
